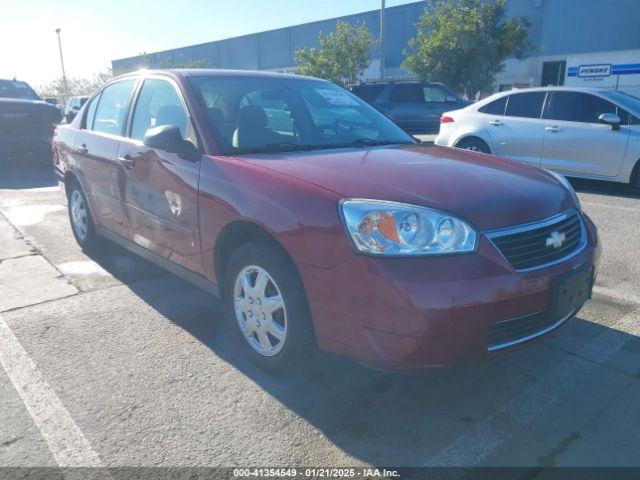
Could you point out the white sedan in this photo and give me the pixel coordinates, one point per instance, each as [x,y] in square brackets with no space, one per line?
[578,132]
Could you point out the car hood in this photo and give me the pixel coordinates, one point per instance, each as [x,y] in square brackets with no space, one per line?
[488,191]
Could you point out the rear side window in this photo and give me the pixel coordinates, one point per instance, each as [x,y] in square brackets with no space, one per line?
[527,105]
[368,92]
[91,113]
[407,94]
[113,108]
[496,107]
[434,94]
[578,107]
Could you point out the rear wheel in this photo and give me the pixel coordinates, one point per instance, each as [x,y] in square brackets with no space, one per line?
[80,217]
[635,176]
[266,299]
[474,144]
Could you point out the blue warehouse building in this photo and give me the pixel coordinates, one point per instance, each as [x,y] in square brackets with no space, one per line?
[585,42]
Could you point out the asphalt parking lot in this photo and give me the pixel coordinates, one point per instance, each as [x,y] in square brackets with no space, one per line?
[109,361]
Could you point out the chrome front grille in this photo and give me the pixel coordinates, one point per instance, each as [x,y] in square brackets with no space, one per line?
[541,244]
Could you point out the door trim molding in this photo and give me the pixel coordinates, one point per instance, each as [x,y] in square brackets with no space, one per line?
[178,270]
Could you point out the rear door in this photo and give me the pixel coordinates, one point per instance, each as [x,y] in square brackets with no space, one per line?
[518,133]
[159,188]
[96,150]
[575,142]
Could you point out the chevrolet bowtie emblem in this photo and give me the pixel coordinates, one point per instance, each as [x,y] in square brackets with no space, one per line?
[556,239]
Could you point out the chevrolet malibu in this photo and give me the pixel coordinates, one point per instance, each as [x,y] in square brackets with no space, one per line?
[319,222]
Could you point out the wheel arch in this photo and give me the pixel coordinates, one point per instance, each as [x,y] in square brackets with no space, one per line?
[69,177]
[474,135]
[233,236]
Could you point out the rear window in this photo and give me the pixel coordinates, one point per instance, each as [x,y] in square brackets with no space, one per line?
[368,92]
[15,89]
[528,105]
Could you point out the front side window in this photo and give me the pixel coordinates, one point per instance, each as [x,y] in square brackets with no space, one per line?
[577,107]
[159,104]
[113,108]
[527,105]
[274,114]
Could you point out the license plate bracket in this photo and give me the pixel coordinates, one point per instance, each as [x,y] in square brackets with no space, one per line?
[571,292]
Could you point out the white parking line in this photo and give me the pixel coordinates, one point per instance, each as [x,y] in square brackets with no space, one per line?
[66,441]
[474,447]
[606,205]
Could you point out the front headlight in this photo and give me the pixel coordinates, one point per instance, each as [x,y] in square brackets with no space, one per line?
[397,229]
[568,186]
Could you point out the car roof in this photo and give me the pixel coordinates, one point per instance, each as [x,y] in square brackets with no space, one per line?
[397,82]
[495,96]
[209,72]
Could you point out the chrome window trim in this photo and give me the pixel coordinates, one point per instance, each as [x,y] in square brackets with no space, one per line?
[491,234]
[500,346]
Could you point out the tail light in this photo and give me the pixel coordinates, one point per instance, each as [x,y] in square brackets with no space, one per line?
[445,119]
[54,150]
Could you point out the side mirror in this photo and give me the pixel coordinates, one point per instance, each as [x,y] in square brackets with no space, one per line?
[450,99]
[169,139]
[610,119]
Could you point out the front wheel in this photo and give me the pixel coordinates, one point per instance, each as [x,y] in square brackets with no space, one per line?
[474,144]
[266,299]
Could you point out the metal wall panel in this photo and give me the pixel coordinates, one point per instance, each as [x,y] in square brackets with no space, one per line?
[559,27]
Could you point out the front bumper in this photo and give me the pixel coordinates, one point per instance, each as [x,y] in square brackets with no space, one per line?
[415,313]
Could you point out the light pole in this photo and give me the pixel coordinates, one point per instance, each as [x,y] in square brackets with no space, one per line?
[382,67]
[64,75]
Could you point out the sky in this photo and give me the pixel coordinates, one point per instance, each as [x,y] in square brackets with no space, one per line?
[94,32]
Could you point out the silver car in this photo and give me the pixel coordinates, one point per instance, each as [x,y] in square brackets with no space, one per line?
[578,132]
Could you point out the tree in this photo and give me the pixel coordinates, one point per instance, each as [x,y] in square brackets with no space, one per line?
[464,44]
[75,86]
[343,56]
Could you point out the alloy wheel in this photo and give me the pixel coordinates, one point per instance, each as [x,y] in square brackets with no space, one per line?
[79,216]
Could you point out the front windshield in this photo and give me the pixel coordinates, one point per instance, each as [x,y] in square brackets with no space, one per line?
[278,114]
[625,99]
[15,89]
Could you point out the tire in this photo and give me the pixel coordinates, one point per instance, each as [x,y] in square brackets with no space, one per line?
[635,177]
[80,219]
[474,144]
[255,274]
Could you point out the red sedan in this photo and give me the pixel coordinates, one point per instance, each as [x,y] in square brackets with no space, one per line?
[320,222]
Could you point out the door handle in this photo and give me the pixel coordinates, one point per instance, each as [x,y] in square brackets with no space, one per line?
[495,123]
[126,161]
[82,149]
[553,128]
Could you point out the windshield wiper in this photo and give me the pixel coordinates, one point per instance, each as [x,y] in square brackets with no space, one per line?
[368,142]
[275,147]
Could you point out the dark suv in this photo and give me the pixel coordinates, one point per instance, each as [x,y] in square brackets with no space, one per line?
[26,122]
[415,106]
